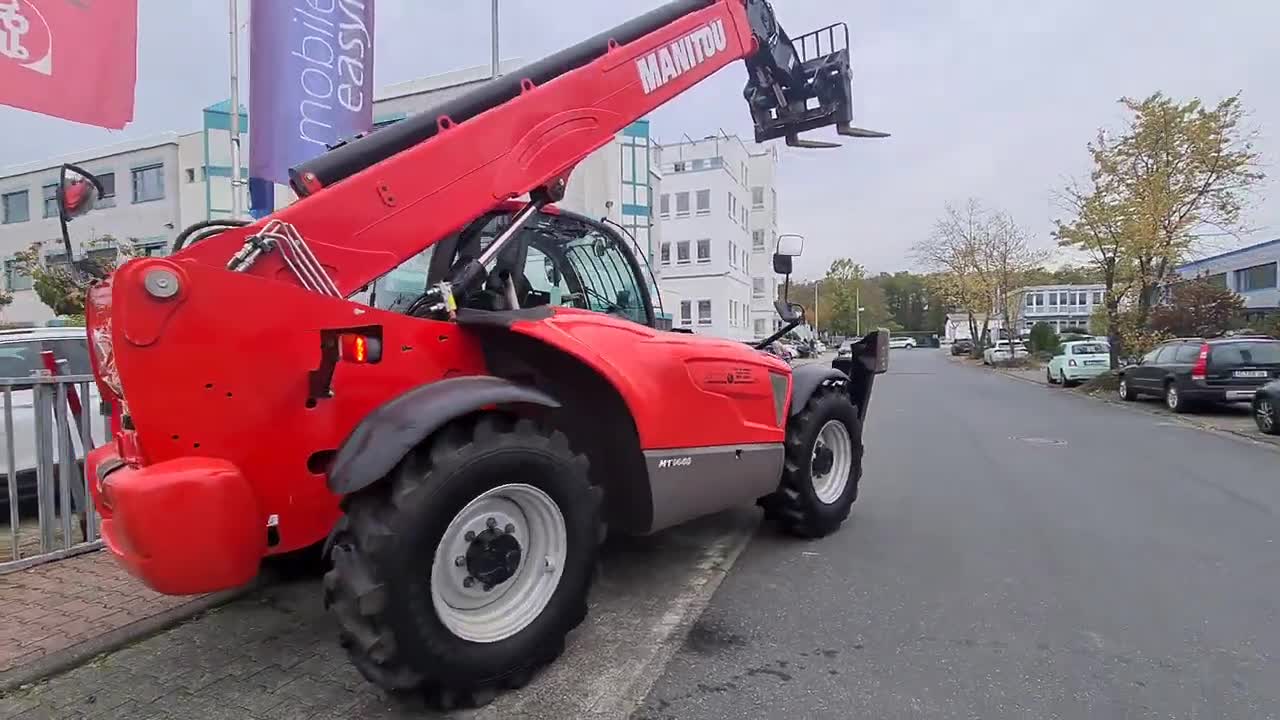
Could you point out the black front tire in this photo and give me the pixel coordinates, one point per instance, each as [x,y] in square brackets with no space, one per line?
[379,587]
[795,507]
[1126,390]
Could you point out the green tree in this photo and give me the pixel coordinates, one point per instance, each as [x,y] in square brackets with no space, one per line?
[1044,338]
[57,285]
[1178,172]
[845,289]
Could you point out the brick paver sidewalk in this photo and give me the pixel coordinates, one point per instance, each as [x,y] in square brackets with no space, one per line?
[58,605]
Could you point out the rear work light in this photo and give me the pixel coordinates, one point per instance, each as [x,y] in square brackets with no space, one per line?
[357,348]
[1200,370]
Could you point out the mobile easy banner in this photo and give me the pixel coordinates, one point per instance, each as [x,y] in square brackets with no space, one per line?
[310,80]
[73,59]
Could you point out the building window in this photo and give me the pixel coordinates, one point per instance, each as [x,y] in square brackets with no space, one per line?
[733,206]
[677,167]
[742,216]
[704,250]
[664,205]
[1218,280]
[757,241]
[682,204]
[148,183]
[703,202]
[715,162]
[704,312]
[698,164]
[733,312]
[14,278]
[50,195]
[757,197]
[757,287]
[1097,297]
[682,252]
[666,253]
[151,247]
[773,195]
[1031,300]
[686,312]
[761,327]
[16,207]
[1258,277]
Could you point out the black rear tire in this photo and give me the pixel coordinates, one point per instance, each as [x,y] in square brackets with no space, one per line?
[795,507]
[379,587]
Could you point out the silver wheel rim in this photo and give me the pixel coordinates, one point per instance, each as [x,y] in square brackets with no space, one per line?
[830,485]
[1266,415]
[1124,389]
[485,616]
[1171,397]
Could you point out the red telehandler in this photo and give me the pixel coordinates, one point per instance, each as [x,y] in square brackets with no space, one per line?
[426,370]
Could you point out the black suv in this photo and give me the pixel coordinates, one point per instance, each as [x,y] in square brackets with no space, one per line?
[1188,372]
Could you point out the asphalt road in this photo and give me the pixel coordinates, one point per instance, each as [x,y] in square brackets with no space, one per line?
[1016,552]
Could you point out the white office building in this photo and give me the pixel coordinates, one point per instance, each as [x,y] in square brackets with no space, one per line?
[718,212]
[159,185]
[1061,306]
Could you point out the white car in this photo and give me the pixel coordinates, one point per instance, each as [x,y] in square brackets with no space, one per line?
[902,342]
[20,357]
[1000,352]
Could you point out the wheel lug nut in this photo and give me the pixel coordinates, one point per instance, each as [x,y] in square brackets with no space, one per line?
[460,561]
[549,565]
[468,582]
[469,537]
[491,523]
[488,587]
[510,528]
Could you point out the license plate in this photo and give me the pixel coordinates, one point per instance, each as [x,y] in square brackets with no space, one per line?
[1249,373]
[1092,362]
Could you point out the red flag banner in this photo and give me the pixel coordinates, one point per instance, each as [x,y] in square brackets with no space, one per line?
[73,59]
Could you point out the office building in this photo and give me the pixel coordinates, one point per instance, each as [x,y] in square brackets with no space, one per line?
[709,256]
[1250,271]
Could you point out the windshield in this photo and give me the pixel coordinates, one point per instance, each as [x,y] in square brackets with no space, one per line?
[1247,353]
[22,359]
[1090,349]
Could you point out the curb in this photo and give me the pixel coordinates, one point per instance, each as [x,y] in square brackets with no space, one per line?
[68,658]
[1181,420]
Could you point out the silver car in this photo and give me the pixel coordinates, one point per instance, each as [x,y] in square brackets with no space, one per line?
[20,357]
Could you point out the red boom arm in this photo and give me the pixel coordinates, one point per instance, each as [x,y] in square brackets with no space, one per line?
[364,222]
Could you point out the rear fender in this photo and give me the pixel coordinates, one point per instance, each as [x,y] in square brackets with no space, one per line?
[387,434]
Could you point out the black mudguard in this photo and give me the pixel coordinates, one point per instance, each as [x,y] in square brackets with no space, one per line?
[869,357]
[391,431]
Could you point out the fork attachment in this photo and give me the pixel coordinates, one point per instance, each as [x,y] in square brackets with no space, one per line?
[794,86]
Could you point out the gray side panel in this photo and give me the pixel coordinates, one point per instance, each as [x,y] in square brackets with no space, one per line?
[691,482]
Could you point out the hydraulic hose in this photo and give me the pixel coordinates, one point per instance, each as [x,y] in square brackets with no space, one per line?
[211,227]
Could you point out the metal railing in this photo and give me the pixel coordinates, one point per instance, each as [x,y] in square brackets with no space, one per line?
[45,441]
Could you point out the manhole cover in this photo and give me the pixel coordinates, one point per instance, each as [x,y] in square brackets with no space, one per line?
[1039,440]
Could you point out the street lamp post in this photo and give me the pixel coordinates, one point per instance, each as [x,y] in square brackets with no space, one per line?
[235,111]
[493,56]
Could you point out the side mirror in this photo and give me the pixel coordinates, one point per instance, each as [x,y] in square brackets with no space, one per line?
[789,246]
[76,194]
[789,312]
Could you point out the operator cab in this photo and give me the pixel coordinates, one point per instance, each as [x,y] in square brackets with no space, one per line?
[557,258]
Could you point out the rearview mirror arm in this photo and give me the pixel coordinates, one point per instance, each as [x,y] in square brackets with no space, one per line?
[60,198]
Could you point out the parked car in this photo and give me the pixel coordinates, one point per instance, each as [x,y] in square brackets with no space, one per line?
[962,346]
[20,357]
[1266,408]
[1077,361]
[1191,372]
[1000,352]
[902,342]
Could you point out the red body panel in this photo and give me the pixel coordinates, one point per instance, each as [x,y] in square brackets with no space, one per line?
[683,390]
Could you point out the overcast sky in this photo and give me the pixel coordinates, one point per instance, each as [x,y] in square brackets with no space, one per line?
[986,98]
